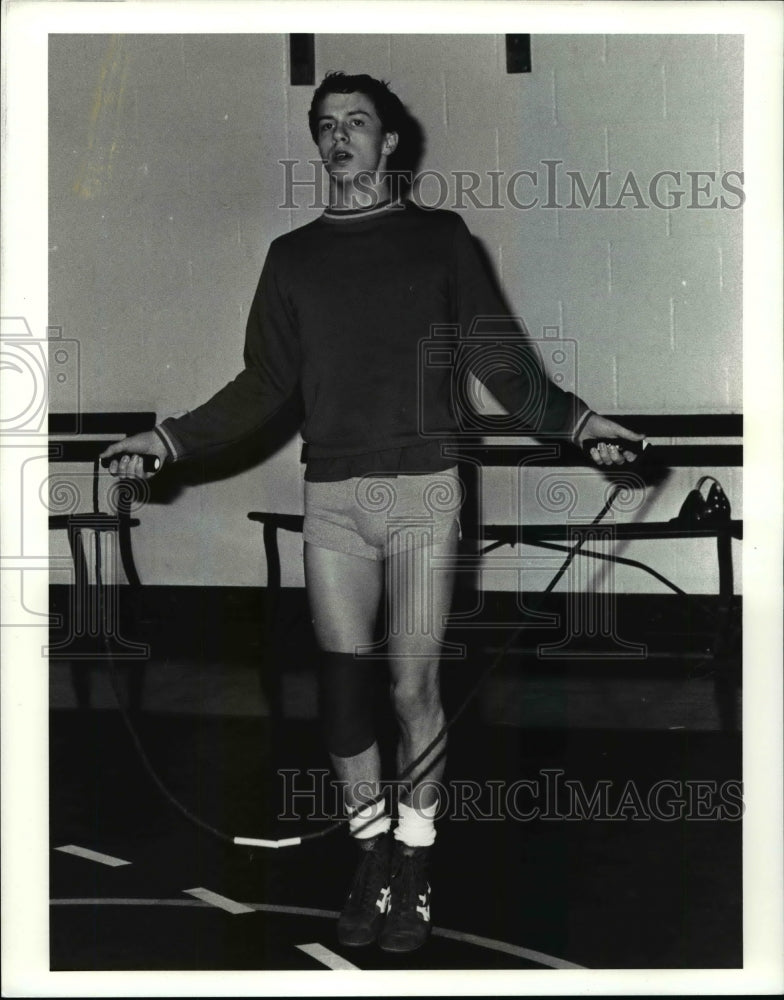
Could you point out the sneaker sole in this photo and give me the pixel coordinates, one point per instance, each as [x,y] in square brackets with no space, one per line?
[353,943]
[355,940]
[398,950]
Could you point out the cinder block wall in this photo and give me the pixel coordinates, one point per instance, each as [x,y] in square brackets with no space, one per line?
[165,192]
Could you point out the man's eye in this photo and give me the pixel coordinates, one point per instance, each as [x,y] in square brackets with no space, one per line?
[358,121]
[326,126]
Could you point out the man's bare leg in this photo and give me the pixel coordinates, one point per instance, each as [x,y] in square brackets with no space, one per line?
[343,593]
[419,598]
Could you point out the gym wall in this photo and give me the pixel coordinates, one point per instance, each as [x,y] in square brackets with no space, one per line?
[166,189]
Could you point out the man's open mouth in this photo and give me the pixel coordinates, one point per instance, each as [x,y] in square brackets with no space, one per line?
[341,156]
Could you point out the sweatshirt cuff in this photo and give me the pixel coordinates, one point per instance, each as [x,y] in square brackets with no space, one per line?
[168,441]
[582,421]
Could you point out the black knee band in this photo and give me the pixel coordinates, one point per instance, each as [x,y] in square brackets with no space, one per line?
[346,687]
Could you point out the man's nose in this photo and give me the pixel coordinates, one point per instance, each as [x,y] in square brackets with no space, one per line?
[339,132]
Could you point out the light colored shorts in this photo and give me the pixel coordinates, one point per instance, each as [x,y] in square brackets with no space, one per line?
[377,516]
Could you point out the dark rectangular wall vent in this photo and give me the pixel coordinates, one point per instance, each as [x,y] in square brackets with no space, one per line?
[302,60]
[518,53]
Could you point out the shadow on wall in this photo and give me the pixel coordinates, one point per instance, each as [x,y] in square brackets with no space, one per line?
[411,148]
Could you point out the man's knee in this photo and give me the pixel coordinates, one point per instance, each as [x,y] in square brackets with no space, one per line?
[416,694]
[346,697]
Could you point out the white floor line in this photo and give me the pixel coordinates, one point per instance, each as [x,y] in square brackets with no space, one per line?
[84,852]
[327,957]
[531,955]
[297,911]
[509,949]
[222,902]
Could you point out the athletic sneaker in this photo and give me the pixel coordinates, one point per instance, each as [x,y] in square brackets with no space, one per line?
[368,900]
[407,926]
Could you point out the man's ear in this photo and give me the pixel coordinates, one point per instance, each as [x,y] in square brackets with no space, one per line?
[390,142]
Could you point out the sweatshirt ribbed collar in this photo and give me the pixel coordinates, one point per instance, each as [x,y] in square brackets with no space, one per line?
[343,215]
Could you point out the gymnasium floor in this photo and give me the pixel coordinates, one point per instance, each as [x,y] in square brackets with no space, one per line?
[543,891]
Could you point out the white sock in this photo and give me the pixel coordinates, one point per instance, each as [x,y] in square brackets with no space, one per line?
[359,826]
[416,827]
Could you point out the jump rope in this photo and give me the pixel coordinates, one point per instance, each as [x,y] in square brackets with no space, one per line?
[643,460]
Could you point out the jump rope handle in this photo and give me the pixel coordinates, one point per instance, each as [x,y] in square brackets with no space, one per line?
[638,448]
[150,463]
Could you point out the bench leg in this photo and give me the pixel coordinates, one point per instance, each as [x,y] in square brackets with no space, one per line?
[727,675]
[270,668]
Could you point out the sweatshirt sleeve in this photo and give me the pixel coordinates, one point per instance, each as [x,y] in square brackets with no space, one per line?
[501,354]
[271,373]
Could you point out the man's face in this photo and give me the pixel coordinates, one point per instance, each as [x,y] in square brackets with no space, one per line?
[350,137]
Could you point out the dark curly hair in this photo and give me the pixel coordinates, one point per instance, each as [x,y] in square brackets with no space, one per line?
[388,105]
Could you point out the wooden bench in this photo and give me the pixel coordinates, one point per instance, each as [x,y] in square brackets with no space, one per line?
[493,536]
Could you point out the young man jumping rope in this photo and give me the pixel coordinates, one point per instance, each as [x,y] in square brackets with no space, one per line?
[342,306]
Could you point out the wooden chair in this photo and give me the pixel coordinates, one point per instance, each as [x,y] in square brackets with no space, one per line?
[92,623]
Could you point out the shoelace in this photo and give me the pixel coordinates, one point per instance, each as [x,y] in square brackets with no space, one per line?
[408,878]
[364,886]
